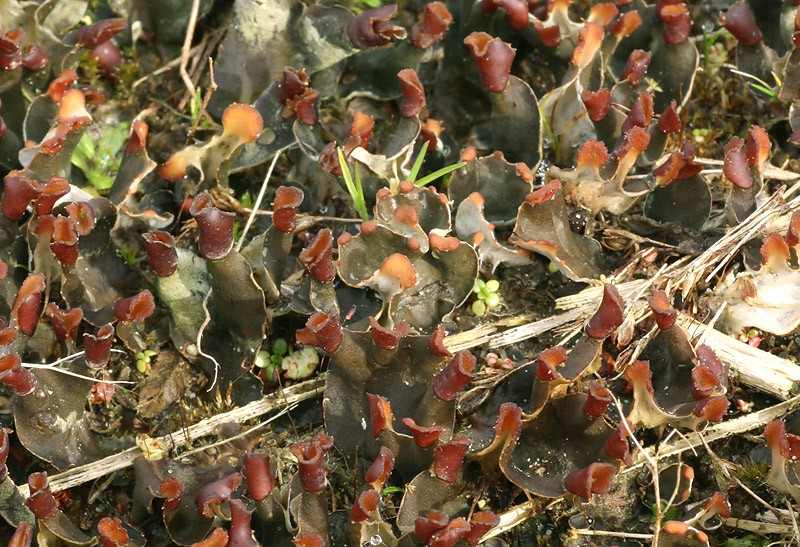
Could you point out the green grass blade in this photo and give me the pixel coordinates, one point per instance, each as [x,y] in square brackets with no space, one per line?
[347,176]
[765,90]
[440,173]
[361,203]
[355,189]
[412,176]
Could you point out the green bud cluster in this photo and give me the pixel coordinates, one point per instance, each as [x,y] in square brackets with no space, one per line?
[488,297]
[272,361]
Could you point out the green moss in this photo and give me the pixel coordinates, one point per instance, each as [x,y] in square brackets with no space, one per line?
[752,473]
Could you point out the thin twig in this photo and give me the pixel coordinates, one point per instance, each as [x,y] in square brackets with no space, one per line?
[717,461]
[303,218]
[794,522]
[52,366]
[745,231]
[241,435]
[76,375]
[187,47]
[212,87]
[710,326]
[716,432]
[200,331]
[176,62]
[758,527]
[512,518]
[749,365]
[258,201]
[63,359]
[608,533]
[269,403]
[651,462]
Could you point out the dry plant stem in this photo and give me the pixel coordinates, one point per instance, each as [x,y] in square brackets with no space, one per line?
[727,246]
[199,341]
[522,512]
[717,461]
[269,403]
[794,522]
[708,328]
[487,334]
[590,296]
[518,514]
[241,435]
[512,518]
[607,533]
[757,527]
[304,219]
[636,238]
[716,257]
[770,171]
[483,335]
[212,87]
[685,275]
[76,375]
[716,432]
[752,494]
[53,366]
[652,463]
[165,68]
[187,48]
[257,204]
[757,368]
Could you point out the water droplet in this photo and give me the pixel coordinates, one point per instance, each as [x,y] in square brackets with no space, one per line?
[47,420]
[708,26]
[376,540]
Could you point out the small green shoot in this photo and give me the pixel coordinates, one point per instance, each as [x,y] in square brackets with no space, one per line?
[130,255]
[246,200]
[196,110]
[760,85]
[487,294]
[653,86]
[98,154]
[709,39]
[280,347]
[196,103]
[765,90]
[354,187]
[412,176]
[551,136]
[392,490]
[700,134]
[439,173]
[668,512]
[271,362]
[143,360]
